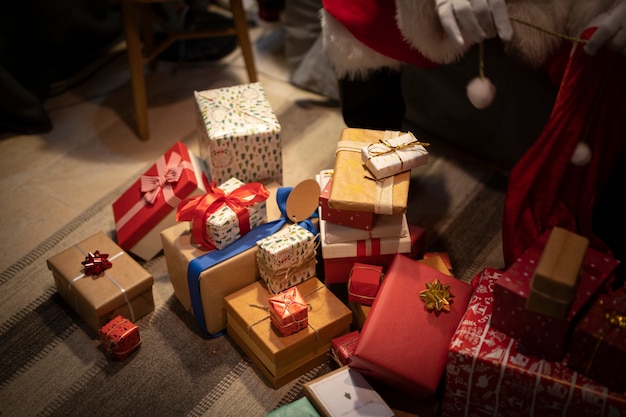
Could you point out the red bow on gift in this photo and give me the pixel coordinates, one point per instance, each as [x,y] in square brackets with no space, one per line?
[197,209]
[150,185]
[95,263]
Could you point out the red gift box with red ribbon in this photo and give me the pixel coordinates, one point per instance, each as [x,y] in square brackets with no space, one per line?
[149,205]
[289,313]
[403,342]
[364,282]
[120,338]
[342,347]
[540,334]
[487,376]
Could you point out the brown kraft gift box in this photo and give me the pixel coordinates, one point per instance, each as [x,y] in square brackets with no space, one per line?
[124,289]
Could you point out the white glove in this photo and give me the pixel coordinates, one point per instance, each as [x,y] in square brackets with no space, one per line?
[611,30]
[480,19]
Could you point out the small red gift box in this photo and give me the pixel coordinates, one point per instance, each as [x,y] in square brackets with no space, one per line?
[540,334]
[289,313]
[599,342]
[364,282]
[342,347]
[403,343]
[120,337]
[487,376]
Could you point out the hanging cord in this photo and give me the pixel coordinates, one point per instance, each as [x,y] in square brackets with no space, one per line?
[549,32]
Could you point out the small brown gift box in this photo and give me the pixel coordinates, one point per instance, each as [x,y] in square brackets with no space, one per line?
[248,323]
[123,289]
[354,189]
[364,282]
[120,338]
[289,313]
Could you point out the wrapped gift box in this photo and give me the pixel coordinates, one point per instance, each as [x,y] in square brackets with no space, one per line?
[287,257]
[222,216]
[120,338]
[149,205]
[364,282]
[403,344]
[339,258]
[301,407]
[353,189]
[345,392]
[289,313]
[391,156]
[342,347]
[240,134]
[385,226]
[598,344]
[248,323]
[361,220]
[540,334]
[124,288]
[487,375]
[555,281]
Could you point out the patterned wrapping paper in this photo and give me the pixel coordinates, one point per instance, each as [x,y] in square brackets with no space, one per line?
[391,156]
[222,226]
[540,334]
[120,338]
[287,258]
[149,205]
[598,344]
[342,347]
[487,376]
[353,189]
[124,288]
[240,134]
[289,313]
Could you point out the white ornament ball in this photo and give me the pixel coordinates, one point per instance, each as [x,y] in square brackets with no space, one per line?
[581,155]
[481,92]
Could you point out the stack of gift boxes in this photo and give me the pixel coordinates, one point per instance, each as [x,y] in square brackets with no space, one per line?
[243,255]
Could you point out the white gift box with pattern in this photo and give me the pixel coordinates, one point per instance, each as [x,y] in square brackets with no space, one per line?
[287,258]
[392,156]
[240,134]
[222,225]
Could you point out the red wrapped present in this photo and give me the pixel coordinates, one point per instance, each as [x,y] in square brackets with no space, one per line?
[599,342]
[342,347]
[403,342]
[362,220]
[149,205]
[540,334]
[486,375]
[364,282]
[120,337]
[289,313]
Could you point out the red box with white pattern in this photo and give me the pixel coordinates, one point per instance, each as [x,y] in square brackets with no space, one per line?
[487,376]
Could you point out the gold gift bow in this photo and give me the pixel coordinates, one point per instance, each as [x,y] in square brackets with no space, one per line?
[616,321]
[382,276]
[310,255]
[266,308]
[111,345]
[106,274]
[436,296]
[383,147]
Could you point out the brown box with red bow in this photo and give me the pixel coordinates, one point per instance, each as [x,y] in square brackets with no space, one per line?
[149,205]
[100,280]
[120,338]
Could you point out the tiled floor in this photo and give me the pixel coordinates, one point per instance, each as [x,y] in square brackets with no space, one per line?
[47,180]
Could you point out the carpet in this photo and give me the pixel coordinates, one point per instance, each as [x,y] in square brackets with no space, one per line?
[53,365]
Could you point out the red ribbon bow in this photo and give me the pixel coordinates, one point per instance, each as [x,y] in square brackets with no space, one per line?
[150,185]
[197,209]
[95,263]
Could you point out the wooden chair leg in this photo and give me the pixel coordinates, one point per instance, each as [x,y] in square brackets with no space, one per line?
[241,24]
[136,65]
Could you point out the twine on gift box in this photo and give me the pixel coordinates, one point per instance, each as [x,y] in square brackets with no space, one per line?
[284,273]
[334,353]
[383,147]
[112,344]
[267,308]
[365,297]
[117,284]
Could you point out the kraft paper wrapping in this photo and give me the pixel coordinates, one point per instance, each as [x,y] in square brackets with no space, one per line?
[125,289]
[353,188]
